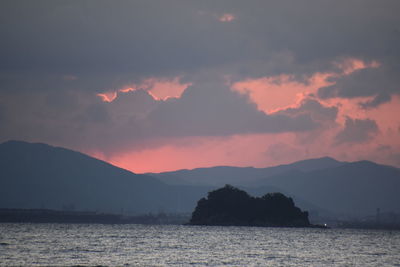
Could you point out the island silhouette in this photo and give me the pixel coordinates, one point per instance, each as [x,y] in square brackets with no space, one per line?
[232,206]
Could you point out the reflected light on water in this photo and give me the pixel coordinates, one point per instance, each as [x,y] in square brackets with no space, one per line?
[146,245]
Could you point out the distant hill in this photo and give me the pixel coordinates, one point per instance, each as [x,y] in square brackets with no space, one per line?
[240,176]
[356,188]
[42,176]
[324,185]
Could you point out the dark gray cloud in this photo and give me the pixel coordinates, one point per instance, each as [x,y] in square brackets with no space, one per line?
[107,44]
[379,83]
[376,101]
[135,119]
[357,131]
[56,55]
[214,109]
[324,115]
[313,108]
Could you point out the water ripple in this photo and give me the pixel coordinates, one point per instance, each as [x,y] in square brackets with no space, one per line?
[144,245]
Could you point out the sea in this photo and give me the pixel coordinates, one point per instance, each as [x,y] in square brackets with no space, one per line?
[178,245]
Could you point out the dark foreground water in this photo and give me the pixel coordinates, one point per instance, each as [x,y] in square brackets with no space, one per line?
[145,245]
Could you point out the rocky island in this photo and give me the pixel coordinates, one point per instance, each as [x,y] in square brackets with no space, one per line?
[232,206]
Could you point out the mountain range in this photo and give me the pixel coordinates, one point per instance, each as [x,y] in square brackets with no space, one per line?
[242,176]
[42,176]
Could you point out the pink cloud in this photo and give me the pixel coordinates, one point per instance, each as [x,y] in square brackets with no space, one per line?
[260,150]
[275,93]
[159,88]
[226,17]
[350,65]
[108,96]
[272,94]
[193,152]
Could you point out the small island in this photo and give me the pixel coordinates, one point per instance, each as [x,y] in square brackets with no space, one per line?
[234,207]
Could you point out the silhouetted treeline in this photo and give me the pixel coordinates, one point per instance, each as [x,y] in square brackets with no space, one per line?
[232,206]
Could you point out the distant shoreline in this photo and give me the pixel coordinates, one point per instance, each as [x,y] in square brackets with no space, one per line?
[58,216]
[14,215]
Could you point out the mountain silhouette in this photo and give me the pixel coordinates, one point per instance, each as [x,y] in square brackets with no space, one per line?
[324,185]
[355,188]
[240,176]
[43,176]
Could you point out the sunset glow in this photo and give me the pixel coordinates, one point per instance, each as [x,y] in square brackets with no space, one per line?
[156,87]
[272,94]
[275,93]
[159,89]
[159,132]
[108,97]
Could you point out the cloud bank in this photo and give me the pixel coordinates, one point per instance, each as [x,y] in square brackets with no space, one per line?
[285,80]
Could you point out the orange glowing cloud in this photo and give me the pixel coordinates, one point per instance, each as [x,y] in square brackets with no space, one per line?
[257,150]
[275,93]
[159,89]
[226,17]
[262,150]
[272,94]
[385,116]
[351,65]
[188,153]
[164,89]
[108,96]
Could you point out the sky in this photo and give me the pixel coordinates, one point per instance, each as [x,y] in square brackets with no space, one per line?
[161,85]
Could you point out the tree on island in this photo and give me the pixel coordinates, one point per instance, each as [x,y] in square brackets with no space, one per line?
[232,206]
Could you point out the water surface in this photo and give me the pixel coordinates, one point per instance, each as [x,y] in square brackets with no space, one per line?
[166,245]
